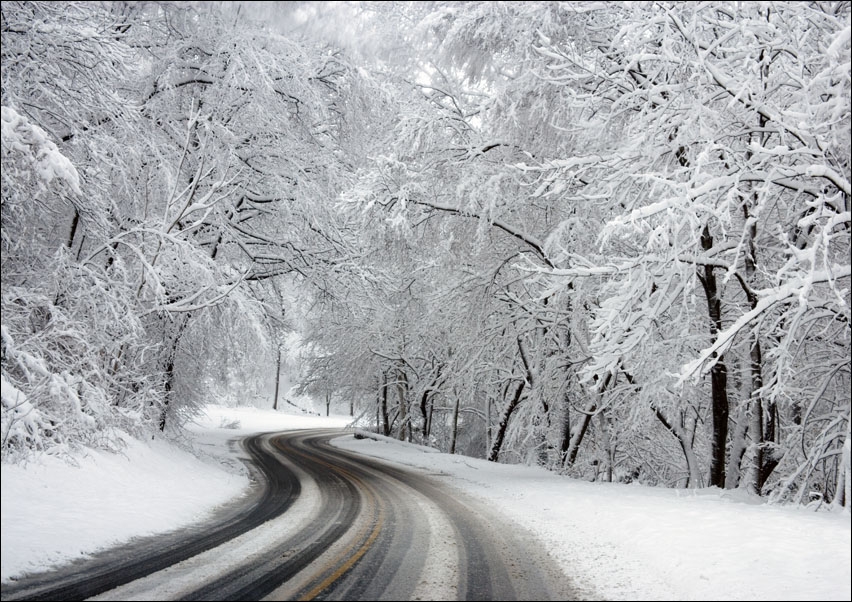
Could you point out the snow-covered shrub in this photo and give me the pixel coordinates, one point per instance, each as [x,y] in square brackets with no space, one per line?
[63,383]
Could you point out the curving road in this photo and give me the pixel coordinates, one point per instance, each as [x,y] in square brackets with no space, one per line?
[326,525]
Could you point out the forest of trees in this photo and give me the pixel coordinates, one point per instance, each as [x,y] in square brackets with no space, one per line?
[609,239]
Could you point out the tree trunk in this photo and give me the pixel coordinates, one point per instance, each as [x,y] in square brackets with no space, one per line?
[762,418]
[75,221]
[384,405]
[676,429]
[167,388]
[565,435]
[277,379]
[608,447]
[579,433]
[718,374]
[424,416]
[405,419]
[575,435]
[487,423]
[761,430]
[738,448]
[454,432]
[169,369]
[843,484]
[494,454]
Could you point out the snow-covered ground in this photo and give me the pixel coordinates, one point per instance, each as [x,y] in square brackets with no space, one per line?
[620,541]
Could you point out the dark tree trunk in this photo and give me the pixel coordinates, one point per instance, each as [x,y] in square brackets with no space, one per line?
[383,397]
[277,379]
[429,420]
[73,232]
[405,419]
[494,454]
[454,432]
[718,374]
[424,417]
[577,437]
[573,438]
[565,434]
[167,387]
[169,369]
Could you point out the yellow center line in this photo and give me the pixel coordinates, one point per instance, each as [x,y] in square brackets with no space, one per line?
[364,547]
[346,565]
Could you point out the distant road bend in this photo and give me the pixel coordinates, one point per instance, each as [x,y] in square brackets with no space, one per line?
[325,525]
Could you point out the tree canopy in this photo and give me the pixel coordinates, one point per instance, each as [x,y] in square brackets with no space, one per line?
[610,239]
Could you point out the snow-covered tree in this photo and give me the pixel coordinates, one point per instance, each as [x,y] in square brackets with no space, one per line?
[160,165]
[666,191]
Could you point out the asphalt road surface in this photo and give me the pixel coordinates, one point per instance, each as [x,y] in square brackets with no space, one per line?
[322,524]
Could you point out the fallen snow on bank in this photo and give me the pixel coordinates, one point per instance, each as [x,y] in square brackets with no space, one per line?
[631,542]
[53,512]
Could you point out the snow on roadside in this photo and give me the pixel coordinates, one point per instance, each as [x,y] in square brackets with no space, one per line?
[632,542]
[53,512]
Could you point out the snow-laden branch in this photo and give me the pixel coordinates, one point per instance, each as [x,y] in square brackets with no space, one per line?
[732,88]
[823,171]
[708,357]
[686,194]
[587,269]
[119,239]
[188,304]
[28,139]
[533,242]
